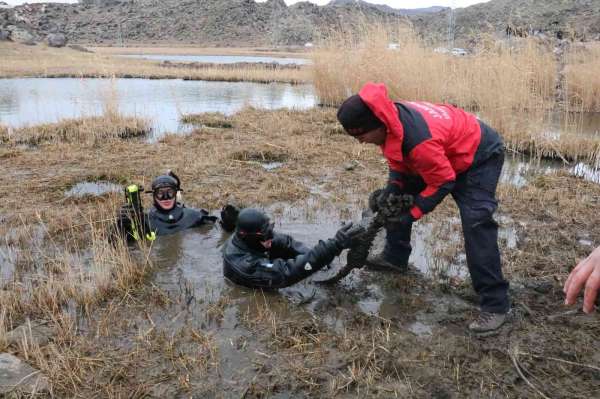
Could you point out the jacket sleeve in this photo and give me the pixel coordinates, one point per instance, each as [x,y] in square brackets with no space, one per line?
[280,272]
[431,163]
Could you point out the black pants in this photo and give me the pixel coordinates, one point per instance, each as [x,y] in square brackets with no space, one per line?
[475,195]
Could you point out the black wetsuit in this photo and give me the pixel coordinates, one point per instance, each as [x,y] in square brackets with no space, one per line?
[159,223]
[177,219]
[285,263]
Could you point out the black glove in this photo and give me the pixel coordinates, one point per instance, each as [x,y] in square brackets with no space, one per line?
[347,235]
[390,189]
[229,215]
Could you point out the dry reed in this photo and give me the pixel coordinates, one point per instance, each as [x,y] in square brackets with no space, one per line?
[86,130]
[581,75]
[510,86]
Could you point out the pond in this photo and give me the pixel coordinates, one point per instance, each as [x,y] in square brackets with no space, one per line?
[30,101]
[220,59]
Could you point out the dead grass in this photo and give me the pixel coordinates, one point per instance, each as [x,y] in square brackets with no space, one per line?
[208,119]
[582,84]
[511,88]
[65,62]
[83,131]
[145,339]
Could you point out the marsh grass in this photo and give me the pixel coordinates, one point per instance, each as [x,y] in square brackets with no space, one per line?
[208,119]
[85,131]
[127,341]
[65,62]
[581,74]
[512,87]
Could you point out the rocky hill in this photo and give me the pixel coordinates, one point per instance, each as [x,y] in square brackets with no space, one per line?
[575,19]
[388,9]
[201,22]
[247,23]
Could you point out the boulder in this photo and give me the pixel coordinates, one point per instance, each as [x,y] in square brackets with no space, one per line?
[4,35]
[16,375]
[56,40]
[22,36]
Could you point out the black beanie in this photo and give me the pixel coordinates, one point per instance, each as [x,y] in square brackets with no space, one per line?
[356,117]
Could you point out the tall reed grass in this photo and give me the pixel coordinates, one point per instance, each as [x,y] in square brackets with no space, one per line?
[53,272]
[510,85]
[582,79]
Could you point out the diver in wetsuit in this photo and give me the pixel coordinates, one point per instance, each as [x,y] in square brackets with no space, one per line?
[257,257]
[167,216]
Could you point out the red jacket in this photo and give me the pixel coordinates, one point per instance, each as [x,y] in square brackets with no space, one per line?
[433,141]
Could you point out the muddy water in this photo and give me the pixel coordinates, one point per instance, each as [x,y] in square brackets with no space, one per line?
[519,171]
[220,59]
[162,101]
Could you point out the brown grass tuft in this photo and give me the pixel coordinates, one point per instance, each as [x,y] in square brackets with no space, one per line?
[87,130]
[208,119]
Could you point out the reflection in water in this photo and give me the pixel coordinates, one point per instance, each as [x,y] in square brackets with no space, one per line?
[220,59]
[162,101]
[518,171]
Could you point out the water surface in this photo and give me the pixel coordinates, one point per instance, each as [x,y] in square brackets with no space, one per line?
[30,101]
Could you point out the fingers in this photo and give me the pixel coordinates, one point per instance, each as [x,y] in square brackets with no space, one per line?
[577,281]
[591,290]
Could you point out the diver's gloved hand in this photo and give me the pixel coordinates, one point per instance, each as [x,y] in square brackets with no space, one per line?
[125,220]
[347,235]
[229,216]
[374,199]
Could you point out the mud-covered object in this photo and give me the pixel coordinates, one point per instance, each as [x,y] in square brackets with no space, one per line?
[285,263]
[177,219]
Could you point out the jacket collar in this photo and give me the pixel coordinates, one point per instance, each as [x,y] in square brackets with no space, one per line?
[375,95]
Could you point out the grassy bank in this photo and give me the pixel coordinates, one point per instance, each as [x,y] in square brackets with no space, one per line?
[512,86]
[143,336]
[176,49]
[66,62]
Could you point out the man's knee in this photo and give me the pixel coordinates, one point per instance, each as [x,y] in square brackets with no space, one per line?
[476,218]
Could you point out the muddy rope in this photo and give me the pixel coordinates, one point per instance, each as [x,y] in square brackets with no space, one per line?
[358,253]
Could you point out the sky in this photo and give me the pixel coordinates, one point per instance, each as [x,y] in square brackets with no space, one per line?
[391,3]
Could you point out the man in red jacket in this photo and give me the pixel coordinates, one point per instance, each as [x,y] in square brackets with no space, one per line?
[434,150]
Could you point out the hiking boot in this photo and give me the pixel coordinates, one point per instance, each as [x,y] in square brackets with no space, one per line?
[379,263]
[488,323]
